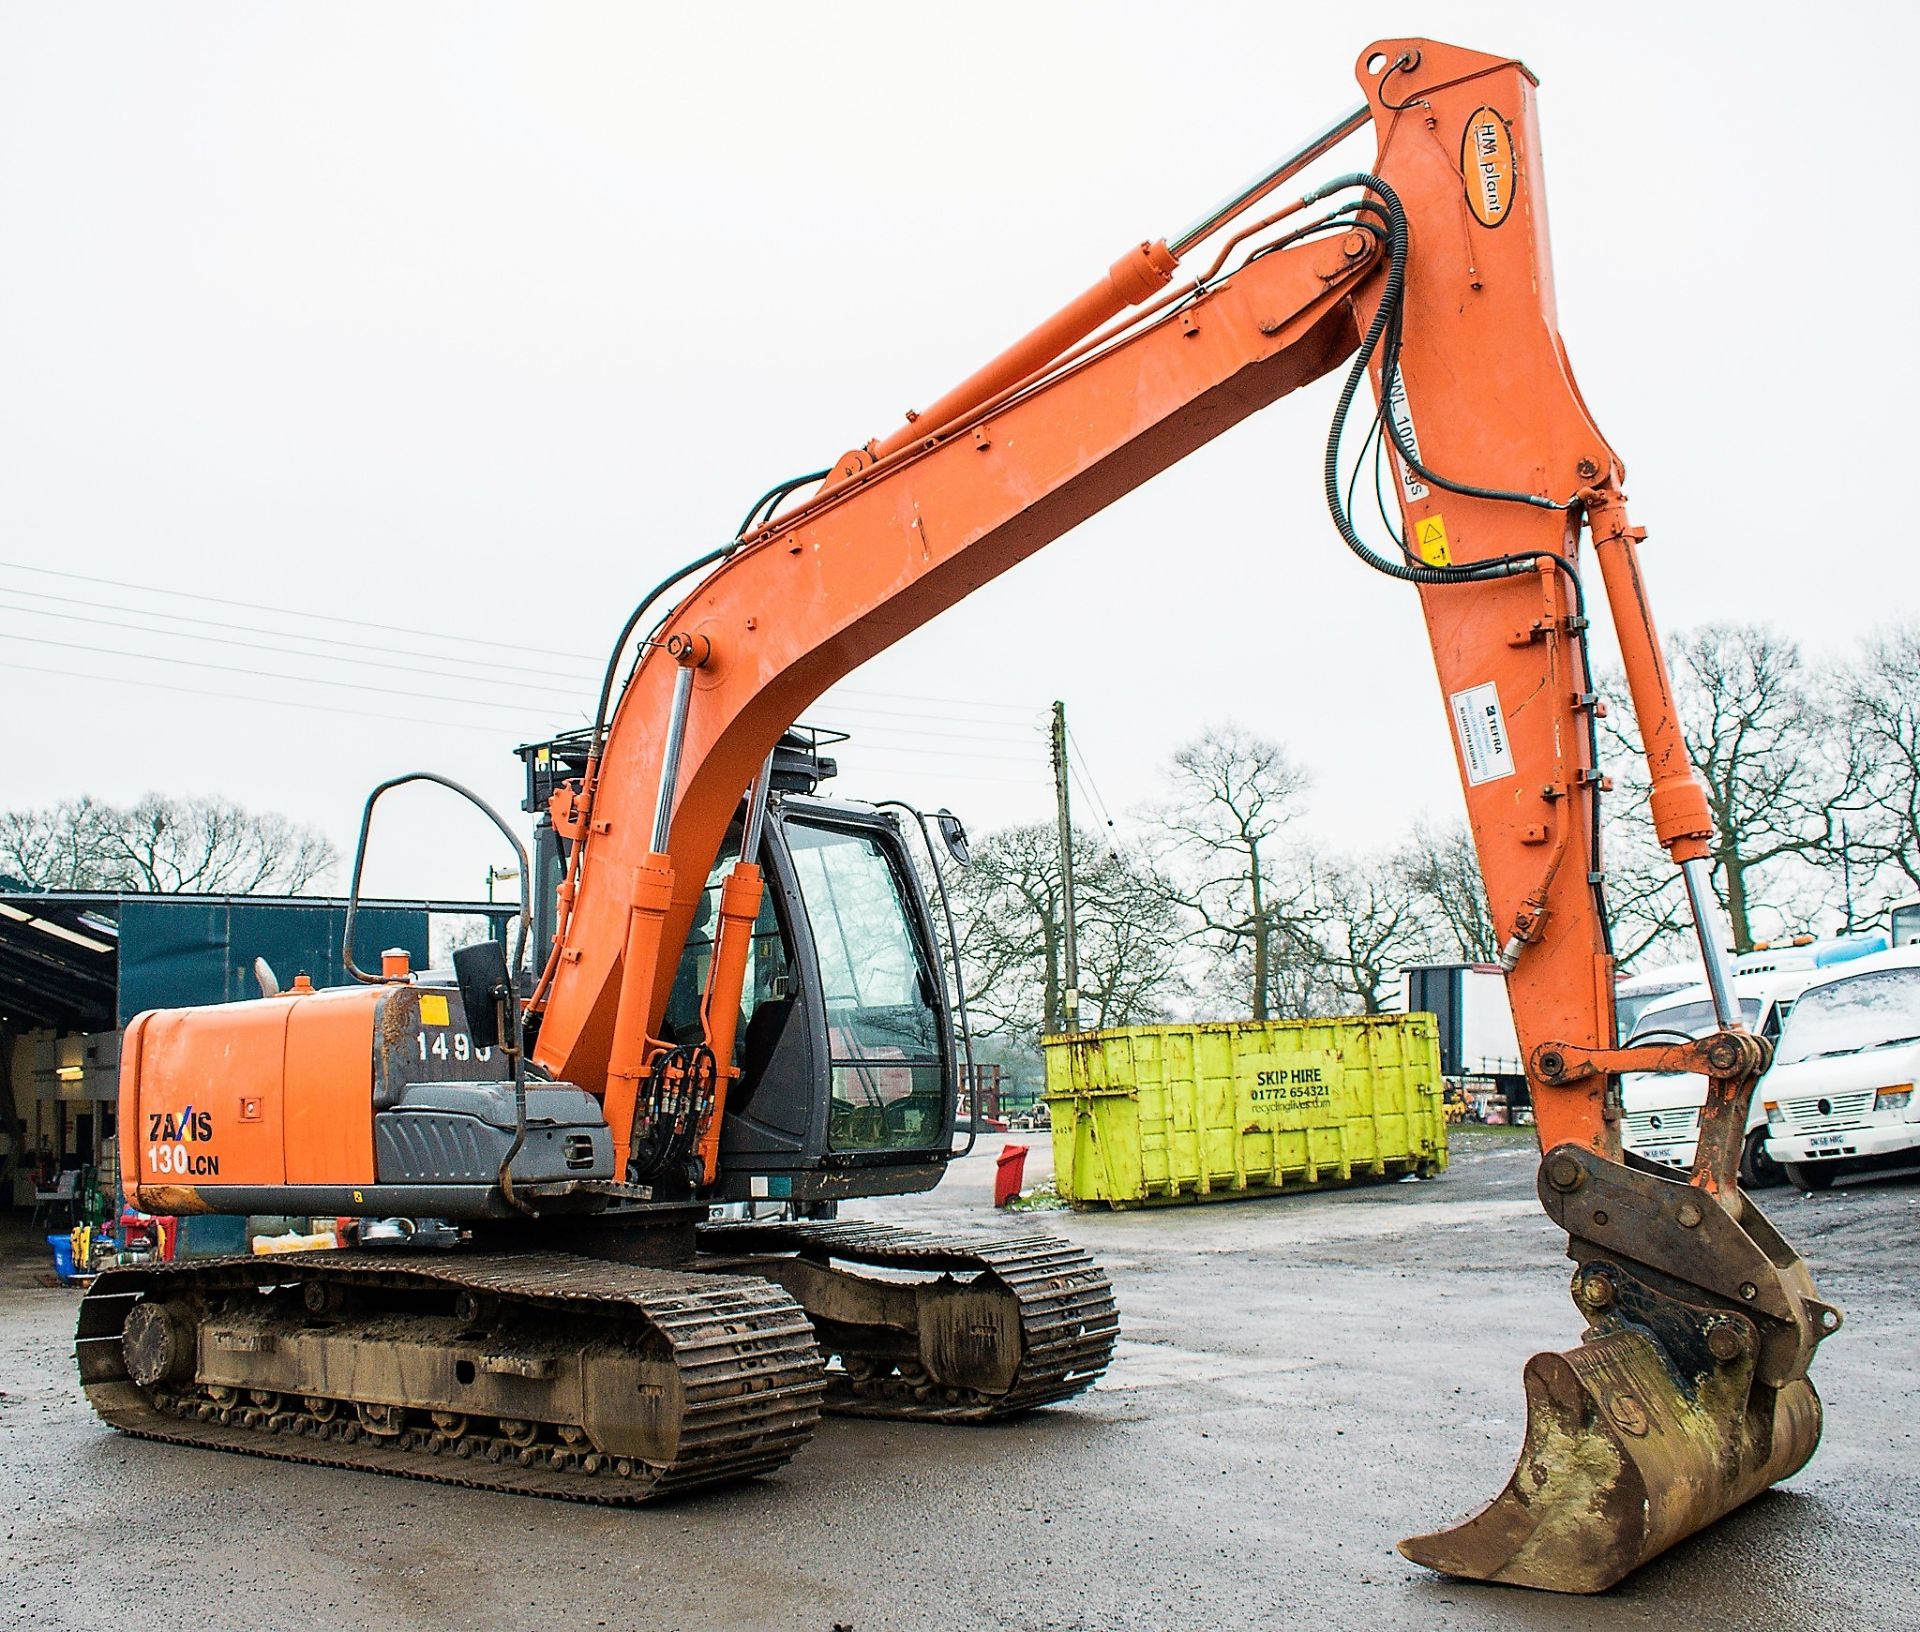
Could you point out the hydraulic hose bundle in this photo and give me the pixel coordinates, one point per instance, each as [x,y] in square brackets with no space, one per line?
[1384,331]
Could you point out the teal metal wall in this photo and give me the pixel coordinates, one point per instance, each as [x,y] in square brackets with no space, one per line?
[175,952]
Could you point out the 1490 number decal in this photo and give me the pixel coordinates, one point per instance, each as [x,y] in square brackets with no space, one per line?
[462,1048]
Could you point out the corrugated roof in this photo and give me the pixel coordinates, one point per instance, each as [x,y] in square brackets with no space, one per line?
[59,964]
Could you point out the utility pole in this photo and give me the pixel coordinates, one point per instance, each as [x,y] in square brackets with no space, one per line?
[1070,995]
[1846,876]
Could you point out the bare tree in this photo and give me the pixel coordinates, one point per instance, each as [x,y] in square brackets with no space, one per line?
[1363,925]
[1233,793]
[1302,984]
[1009,906]
[1128,937]
[1646,903]
[1760,734]
[1007,901]
[162,846]
[1882,697]
[52,848]
[1439,868]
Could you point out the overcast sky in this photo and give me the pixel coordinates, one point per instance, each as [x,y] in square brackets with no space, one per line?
[402,346]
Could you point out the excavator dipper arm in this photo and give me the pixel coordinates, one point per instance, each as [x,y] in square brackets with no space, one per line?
[1431,273]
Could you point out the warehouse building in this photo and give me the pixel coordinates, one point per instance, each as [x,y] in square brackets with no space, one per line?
[76,966]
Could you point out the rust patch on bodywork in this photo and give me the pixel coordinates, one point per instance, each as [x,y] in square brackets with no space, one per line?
[171,1200]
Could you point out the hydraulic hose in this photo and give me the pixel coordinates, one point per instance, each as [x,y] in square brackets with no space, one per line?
[1384,314]
[773,495]
[1386,326]
[612,674]
[1385,323]
[765,503]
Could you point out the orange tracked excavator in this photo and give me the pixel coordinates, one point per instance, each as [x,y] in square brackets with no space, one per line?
[741,996]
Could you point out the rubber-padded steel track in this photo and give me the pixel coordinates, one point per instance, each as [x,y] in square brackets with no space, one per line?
[744,1353]
[1068,1322]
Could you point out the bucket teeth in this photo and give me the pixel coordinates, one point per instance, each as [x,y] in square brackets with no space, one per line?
[1623,1457]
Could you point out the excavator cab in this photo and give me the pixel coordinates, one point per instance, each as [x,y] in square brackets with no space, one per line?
[845,1042]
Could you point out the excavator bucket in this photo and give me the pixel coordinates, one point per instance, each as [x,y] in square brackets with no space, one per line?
[1684,1401]
[1622,1459]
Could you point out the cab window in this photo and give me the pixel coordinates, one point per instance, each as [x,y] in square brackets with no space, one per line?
[883,1032]
[769,974]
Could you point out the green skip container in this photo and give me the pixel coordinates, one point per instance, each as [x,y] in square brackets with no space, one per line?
[1145,1115]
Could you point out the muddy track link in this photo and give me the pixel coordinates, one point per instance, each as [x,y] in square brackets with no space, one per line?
[729,1380]
[1058,1299]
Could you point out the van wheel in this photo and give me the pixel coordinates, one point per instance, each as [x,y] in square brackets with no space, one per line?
[1807,1177]
[1758,1170]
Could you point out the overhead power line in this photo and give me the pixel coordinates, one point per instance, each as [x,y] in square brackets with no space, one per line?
[1080,782]
[488,704]
[262,646]
[145,684]
[875,774]
[491,664]
[873,741]
[1079,755]
[1035,710]
[942,753]
[414,632]
[849,702]
[866,771]
[867,728]
[411,631]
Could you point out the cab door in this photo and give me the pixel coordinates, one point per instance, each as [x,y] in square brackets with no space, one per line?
[845,1046]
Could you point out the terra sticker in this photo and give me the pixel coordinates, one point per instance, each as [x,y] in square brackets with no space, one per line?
[1482,729]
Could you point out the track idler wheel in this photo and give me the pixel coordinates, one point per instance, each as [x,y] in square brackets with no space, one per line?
[157,1343]
[1688,1398]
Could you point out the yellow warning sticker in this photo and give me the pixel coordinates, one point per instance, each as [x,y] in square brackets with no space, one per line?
[1430,541]
[433,1009]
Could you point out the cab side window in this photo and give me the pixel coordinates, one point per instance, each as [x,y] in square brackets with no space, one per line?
[769,965]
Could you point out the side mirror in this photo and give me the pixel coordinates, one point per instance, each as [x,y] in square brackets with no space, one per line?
[481,971]
[954,836]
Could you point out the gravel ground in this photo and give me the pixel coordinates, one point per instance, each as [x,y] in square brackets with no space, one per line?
[1302,1380]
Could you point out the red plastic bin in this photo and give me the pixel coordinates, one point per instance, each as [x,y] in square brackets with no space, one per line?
[1009,1170]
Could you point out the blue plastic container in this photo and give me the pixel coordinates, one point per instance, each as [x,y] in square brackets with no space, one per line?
[62,1255]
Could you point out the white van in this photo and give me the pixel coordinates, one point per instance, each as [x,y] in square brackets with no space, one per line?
[1839,1098]
[1661,1119]
[1633,993]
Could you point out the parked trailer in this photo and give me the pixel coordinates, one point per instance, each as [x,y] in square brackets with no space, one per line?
[1153,1114]
[1475,1024]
